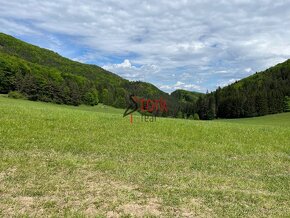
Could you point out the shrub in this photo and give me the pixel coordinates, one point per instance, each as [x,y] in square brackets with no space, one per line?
[16,95]
[287,104]
[91,98]
[196,116]
[179,115]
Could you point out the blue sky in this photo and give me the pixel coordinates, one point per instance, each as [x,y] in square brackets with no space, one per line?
[194,45]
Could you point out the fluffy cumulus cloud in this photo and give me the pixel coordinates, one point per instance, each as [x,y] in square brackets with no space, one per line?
[181,85]
[127,70]
[195,45]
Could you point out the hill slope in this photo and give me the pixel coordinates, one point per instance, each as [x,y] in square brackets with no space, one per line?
[34,54]
[257,95]
[41,74]
[186,96]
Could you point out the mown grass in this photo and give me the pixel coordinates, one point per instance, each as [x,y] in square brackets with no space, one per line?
[67,161]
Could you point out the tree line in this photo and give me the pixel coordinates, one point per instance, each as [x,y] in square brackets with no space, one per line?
[32,81]
[41,75]
[260,94]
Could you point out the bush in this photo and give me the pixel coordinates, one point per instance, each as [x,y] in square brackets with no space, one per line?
[287,104]
[179,115]
[196,116]
[16,95]
[91,98]
[120,102]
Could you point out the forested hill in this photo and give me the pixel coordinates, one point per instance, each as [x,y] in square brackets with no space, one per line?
[260,94]
[186,96]
[41,74]
[45,57]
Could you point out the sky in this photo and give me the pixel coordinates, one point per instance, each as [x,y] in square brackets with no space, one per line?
[195,45]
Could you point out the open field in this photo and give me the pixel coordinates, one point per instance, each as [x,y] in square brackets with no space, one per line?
[67,161]
[275,120]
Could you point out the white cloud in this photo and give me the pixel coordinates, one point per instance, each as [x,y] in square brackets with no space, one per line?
[181,85]
[125,64]
[12,27]
[131,72]
[211,41]
[226,82]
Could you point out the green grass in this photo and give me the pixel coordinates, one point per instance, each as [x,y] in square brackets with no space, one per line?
[91,162]
[277,120]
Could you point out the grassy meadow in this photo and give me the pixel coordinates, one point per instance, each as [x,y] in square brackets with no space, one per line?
[91,162]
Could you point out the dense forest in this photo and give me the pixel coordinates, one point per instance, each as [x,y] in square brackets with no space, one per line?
[27,71]
[187,103]
[260,94]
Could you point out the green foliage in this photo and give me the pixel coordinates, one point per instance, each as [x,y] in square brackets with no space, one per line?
[180,115]
[43,75]
[196,116]
[191,117]
[91,97]
[287,104]
[186,101]
[16,95]
[120,102]
[260,94]
[107,97]
[186,96]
